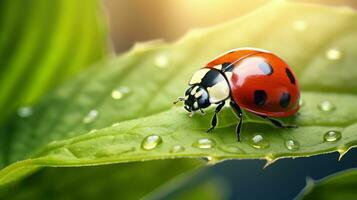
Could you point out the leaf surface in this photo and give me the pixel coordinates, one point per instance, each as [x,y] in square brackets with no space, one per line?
[341,185]
[43,43]
[122,181]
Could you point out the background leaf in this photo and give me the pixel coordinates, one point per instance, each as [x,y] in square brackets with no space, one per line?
[341,185]
[43,43]
[125,181]
[117,91]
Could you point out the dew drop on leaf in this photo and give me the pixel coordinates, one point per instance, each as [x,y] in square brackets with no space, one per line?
[259,142]
[326,106]
[25,111]
[332,136]
[177,149]
[292,145]
[299,25]
[204,143]
[161,61]
[208,158]
[120,92]
[151,142]
[91,116]
[211,160]
[333,54]
[270,159]
[342,150]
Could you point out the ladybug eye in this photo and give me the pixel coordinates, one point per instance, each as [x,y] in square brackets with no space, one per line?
[203,99]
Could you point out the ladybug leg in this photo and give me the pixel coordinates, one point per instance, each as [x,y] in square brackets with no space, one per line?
[277,123]
[214,118]
[239,114]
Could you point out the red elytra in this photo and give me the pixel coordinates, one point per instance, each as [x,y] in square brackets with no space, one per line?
[260,82]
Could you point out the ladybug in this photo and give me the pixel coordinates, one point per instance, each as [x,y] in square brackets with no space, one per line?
[251,79]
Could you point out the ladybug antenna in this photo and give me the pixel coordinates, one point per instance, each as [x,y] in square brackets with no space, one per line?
[202,112]
[179,99]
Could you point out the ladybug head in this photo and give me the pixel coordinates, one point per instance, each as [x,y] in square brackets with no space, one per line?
[196,98]
[207,86]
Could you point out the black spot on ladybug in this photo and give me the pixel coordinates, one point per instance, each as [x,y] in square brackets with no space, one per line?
[290,75]
[227,67]
[211,78]
[260,96]
[285,99]
[266,68]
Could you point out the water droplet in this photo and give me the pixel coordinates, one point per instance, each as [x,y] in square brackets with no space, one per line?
[91,116]
[342,151]
[326,106]
[270,159]
[208,158]
[204,143]
[332,136]
[151,142]
[162,61]
[120,92]
[292,145]
[212,160]
[259,142]
[333,54]
[299,25]
[177,149]
[25,111]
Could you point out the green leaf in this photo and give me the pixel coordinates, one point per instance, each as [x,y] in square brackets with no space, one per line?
[79,115]
[209,189]
[124,181]
[192,185]
[341,185]
[43,43]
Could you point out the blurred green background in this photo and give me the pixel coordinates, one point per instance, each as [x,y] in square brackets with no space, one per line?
[135,21]
[129,22]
